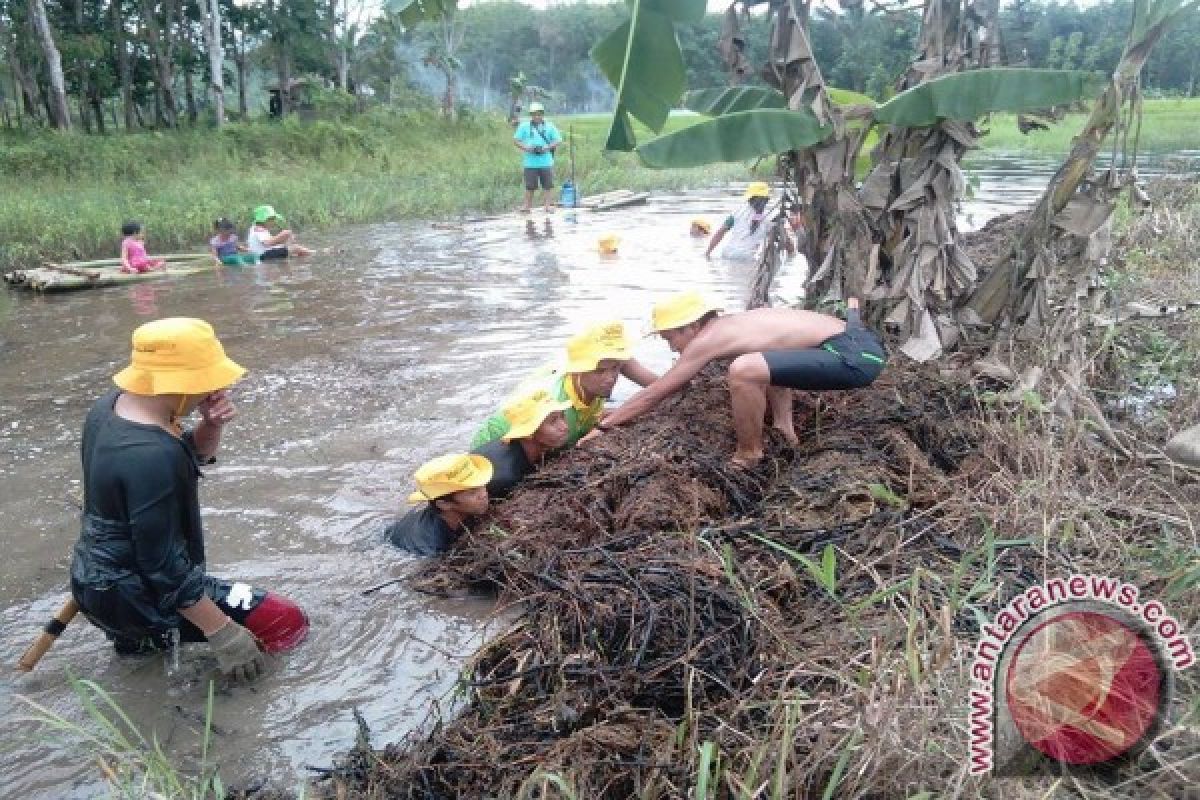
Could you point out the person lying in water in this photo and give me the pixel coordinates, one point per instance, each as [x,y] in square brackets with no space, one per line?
[537,426]
[451,490]
[457,488]
[138,571]
[595,358]
[774,350]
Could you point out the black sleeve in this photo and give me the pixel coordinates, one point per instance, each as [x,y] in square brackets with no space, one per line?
[159,532]
[421,531]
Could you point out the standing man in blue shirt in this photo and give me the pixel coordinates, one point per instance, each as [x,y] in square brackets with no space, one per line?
[537,138]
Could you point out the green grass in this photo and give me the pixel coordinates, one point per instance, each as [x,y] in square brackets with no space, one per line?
[77,190]
[1168,124]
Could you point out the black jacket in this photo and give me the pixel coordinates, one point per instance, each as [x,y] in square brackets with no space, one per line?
[140,554]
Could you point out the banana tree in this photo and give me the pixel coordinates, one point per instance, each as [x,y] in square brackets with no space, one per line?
[858,241]
[1073,204]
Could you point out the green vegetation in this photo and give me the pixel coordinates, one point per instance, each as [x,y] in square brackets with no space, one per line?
[1167,124]
[77,190]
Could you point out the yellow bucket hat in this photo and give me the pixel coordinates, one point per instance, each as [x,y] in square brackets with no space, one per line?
[527,410]
[702,224]
[608,243]
[758,189]
[680,309]
[177,355]
[586,349]
[449,474]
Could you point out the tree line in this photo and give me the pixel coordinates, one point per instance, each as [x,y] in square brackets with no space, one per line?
[137,64]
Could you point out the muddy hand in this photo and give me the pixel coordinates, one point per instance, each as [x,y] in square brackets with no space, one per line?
[217,409]
[589,437]
[238,653]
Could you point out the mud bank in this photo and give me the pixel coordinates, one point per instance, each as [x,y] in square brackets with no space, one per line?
[800,627]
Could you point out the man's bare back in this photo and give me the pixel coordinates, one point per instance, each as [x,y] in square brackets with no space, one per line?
[763,329]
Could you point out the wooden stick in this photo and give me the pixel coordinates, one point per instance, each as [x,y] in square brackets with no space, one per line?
[48,636]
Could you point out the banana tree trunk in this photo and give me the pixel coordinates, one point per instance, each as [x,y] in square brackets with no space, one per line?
[1010,279]
[59,113]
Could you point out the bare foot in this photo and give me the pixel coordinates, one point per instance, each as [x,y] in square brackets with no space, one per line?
[788,433]
[746,460]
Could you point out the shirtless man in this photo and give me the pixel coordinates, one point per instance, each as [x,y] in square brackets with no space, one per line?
[775,350]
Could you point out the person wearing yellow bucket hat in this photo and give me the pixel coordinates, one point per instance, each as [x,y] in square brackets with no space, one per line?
[594,359]
[774,350]
[268,239]
[535,426]
[452,490]
[138,571]
[743,231]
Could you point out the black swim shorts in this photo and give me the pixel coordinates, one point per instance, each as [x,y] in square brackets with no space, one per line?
[274,253]
[850,360]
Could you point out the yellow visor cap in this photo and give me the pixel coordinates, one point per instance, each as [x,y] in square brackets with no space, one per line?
[586,349]
[680,309]
[758,189]
[449,474]
[608,243]
[528,410]
[177,355]
[702,224]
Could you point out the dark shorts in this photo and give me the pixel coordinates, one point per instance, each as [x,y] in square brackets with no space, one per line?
[277,622]
[274,253]
[851,360]
[539,175]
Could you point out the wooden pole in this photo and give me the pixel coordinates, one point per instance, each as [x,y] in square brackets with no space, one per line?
[48,636]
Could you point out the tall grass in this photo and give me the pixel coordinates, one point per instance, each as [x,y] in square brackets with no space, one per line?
[74,191]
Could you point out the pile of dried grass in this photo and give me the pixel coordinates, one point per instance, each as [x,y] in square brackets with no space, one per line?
[804,628]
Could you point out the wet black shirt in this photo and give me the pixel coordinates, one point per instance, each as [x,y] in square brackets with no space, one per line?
[141,533]
[422,531]
[509,466]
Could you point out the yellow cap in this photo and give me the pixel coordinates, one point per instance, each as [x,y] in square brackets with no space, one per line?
[758,189]
[608,243]
[526,411]
[680,309]
[449,474]
[702,224]
[177,355]
[586,349]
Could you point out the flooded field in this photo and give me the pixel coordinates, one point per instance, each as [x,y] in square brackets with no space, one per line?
[364,361]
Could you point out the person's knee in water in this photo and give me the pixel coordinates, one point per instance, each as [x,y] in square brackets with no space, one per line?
[138,567]
[451,491]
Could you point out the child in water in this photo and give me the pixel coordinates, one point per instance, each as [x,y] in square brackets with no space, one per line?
[268,239]
[133,250]
[225,247]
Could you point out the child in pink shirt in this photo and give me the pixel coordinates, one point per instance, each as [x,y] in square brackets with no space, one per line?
[133,250]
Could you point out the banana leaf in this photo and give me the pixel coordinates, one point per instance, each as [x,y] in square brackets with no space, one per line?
[737,136]
[967,96]
[729,100]
[643,62]
[411,12]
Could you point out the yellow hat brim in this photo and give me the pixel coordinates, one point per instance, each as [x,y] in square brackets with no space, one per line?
[482,469]
[623,353]
[528,429]
[138,380]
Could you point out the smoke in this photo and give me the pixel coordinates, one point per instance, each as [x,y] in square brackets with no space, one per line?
[430,80]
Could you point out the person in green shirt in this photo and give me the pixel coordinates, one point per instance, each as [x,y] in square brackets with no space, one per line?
[595,358]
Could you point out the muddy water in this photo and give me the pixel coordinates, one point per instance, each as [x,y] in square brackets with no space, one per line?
[364,362]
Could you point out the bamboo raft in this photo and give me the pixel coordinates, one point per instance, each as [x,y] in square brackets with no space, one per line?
[605,201]
[51,277]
